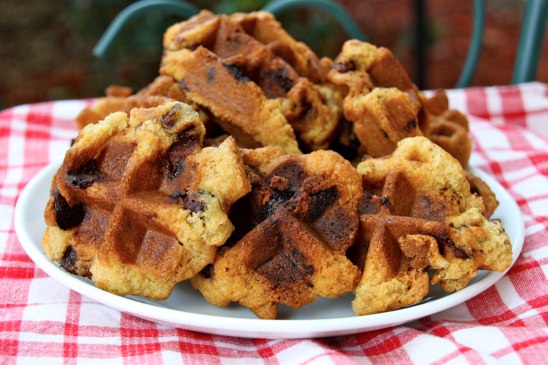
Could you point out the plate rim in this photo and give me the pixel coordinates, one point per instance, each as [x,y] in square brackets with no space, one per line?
[254,327]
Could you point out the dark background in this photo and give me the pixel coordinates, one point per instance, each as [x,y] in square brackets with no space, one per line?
[45,46]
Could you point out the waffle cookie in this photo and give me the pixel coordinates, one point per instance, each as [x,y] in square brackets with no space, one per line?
[361,66]
[446,127]
[113,101]
[384,106]
[252,119]
[120,99]
[138,205]
[418,214]
[380,99]
[382,118]
[292,233]
[263,27]
[155,189]
[480,188]
[275,85]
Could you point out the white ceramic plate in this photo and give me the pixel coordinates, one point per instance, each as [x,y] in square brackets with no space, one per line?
[185,308]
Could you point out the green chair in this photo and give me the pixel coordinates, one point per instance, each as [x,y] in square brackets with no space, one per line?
[136,10]
[530,42]
[187,10]
[525,67]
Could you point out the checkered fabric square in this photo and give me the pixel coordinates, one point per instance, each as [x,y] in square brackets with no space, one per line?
[43,322]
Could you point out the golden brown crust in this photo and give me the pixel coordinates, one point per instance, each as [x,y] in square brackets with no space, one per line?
[379,98]
[418,213]
[276,77]
[385,106]
[138,205]
[196,30]
[247,115]
[381,119]
[292,233]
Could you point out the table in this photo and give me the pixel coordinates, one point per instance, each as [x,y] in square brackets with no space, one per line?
[40,318]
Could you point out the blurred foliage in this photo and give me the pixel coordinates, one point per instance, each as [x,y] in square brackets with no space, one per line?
[135,54]
[231,6]
[49,44]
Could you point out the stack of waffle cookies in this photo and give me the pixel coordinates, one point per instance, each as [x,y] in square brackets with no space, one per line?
[266,176]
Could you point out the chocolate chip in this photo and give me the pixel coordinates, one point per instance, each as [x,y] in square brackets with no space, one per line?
[169,120]
[344,67]
[84,176]
[291,176]
[211,74]
[385,202]
[412,124]
[176,169]
[320,201]
[294,174]
[187,143]
[307,110]
[66,216]
[183,86]
[236,72]
[193,204]
[458,252]
[280,78]
[68,262]
[192,201]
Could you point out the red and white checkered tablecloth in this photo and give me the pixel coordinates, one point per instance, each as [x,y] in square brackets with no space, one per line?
[40,318]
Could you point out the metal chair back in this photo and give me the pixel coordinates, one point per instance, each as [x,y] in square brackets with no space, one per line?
[525,67]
